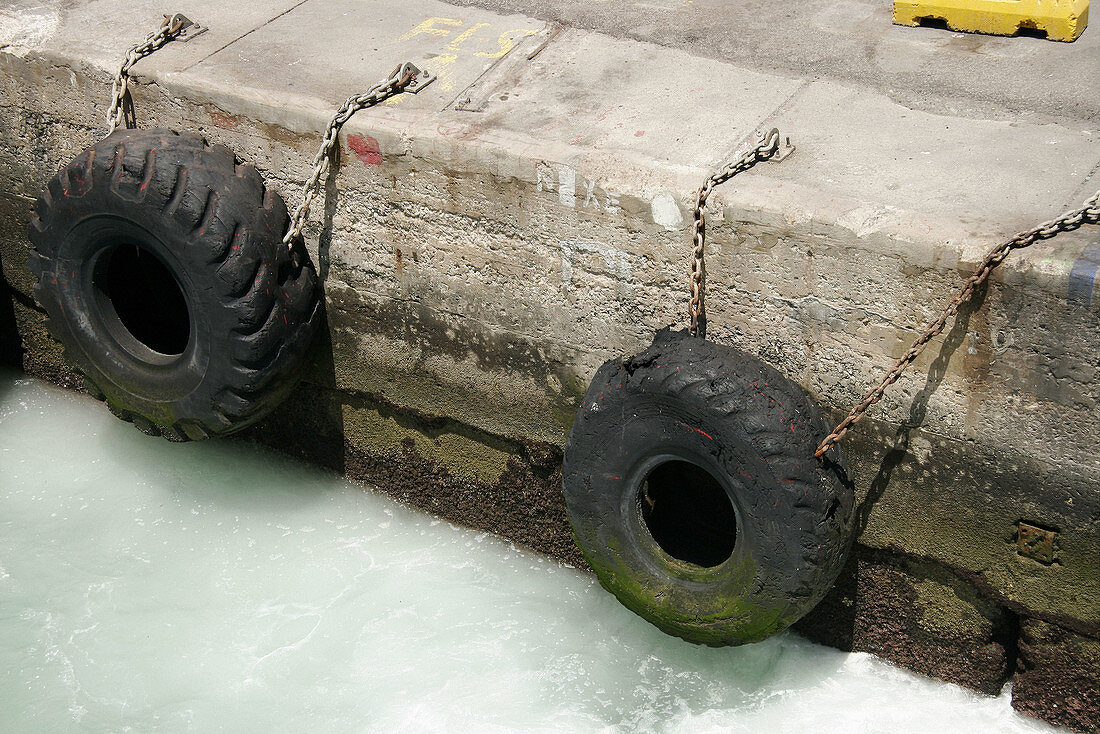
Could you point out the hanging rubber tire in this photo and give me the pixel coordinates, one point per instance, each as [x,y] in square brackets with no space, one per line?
[693,492]
[160,265]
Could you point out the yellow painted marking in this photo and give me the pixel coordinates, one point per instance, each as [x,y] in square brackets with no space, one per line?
[442,67]
[428,27]
[465,35]
[507,42]
[1062,20]
[443,64]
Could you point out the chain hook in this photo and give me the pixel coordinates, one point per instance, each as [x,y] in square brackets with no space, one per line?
[768,143]
[406,77]
[176,23]
[405,74]
[169,30]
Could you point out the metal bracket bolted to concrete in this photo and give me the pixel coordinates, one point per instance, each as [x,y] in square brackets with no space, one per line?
[1060,20]
[1035,542]
[189,29]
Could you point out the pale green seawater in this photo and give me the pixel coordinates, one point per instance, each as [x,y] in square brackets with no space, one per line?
[217,587]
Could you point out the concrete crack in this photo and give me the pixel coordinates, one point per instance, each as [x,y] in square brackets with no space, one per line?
[248,33]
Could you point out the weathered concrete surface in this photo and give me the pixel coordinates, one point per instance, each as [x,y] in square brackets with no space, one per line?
[488,243]
[854,42]
[1057,676]
[508,486]
[24,340]
[917,614]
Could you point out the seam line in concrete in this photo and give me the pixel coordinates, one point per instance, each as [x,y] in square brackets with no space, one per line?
[769,118]
[431,421]
[977,579]
[483,75]
[486,76]
[293,7]
[1085,189]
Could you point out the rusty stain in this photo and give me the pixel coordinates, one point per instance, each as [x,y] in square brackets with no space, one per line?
[224,119]
[1035,542]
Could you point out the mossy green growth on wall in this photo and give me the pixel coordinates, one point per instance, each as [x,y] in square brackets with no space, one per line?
[464,457]
[564,410]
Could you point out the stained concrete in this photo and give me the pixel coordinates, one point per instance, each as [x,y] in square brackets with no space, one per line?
[1058,671]
[853,42]
[918,615]
[486,244]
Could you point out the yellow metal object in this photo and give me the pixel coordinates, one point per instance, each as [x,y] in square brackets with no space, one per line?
[1062,20]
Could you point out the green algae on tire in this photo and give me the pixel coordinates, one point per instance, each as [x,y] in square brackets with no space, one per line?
[161,267]
[693,492]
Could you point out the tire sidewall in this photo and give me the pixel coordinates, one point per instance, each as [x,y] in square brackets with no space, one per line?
[789,545]
[116,360]
[678,596]
[253,305]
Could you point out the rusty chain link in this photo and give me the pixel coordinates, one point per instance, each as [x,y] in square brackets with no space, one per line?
[169,30]
[402,79]
[406,74]
[1089,213]
[766,146]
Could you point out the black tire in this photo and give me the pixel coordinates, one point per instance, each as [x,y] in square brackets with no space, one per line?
[693,492]
[160,265]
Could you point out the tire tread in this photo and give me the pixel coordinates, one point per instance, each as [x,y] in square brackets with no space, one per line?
[233,226]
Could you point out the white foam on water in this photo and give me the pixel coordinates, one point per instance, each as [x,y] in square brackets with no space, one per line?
[148,586]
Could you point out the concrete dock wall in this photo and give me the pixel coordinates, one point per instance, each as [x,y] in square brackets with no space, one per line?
[479,265]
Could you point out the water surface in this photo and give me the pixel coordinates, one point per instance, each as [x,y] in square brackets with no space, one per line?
[215,586]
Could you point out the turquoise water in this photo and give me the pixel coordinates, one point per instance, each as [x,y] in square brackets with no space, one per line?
[209,587]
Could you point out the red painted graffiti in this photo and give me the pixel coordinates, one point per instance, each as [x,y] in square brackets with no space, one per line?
[697,430]
[366,149]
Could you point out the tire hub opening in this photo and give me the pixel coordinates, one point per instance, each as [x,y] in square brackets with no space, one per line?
[688,513]
[146,298]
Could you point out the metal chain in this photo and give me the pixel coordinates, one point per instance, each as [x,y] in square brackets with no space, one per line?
[1089,213]
[766,146]
[401,78]
[169,30]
